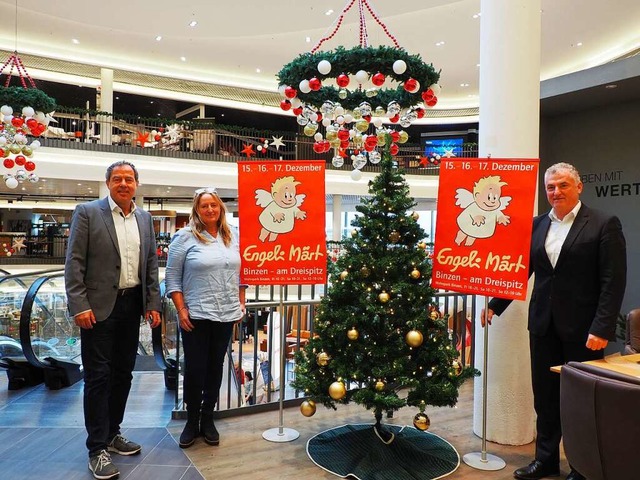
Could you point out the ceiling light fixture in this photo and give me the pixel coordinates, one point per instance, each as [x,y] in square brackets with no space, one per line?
[75,41]
[439,44]
[184,59]
[579,44]
[328,12]
[193,23]
[158,38]
[258,70]
[611,86]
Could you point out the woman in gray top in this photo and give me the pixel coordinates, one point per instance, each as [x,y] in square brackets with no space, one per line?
[202,277]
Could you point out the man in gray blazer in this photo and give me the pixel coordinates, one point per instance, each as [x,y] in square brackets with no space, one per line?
[111,279]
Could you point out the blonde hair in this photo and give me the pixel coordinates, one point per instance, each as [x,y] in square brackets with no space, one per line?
[483,182]
[197,225]
[277,185]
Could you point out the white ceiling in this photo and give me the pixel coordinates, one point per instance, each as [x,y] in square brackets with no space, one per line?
[233,39]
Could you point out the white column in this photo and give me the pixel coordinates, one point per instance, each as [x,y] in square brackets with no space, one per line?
[509,128]
[106,105]
[103,190]
[139,201]
[337,218]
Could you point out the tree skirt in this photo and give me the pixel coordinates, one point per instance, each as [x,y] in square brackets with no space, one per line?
[357,450]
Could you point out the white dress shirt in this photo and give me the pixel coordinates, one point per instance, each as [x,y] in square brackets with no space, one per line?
[128,244]
[558,232]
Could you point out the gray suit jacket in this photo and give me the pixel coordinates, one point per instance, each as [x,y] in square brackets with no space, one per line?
[92,267]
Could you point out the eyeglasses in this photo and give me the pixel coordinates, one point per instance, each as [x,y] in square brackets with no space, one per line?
[210,190]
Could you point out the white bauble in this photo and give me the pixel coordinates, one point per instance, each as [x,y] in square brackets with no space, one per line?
[324,67]
[399,67]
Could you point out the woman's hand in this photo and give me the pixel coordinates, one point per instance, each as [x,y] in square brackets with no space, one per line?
[185,322]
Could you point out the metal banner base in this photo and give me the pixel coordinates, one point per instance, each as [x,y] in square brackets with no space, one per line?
[280,435]
[490,462]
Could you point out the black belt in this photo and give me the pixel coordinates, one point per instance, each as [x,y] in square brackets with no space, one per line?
[123,292]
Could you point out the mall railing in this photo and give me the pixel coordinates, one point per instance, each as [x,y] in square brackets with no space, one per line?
[201,139]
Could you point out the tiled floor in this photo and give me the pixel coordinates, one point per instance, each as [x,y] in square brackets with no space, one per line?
[42,433]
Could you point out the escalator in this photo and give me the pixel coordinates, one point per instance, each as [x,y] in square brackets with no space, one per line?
[40,342]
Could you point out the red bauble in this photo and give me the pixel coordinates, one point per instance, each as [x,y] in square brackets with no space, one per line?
[318,147]
[427,95]
[367,118]
[394,149]
[319,119]
[29,166]
[326,145]
[395,118]
[343,134]
[17,121]
[297,111]
[32,123]
[344,143]
[395,135]
[315,84]
[20,160]
[410,85]
[157,138]
[285,105]
[290,92]
[8,163]
[420,112]
[371,140]
[378,79]
[432,102]
[368,147]
[342,80]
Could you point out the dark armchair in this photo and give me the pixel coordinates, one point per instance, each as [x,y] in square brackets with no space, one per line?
[600,413]
[632,335]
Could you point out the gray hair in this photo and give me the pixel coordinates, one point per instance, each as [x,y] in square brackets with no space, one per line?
[565,167]
[121,163]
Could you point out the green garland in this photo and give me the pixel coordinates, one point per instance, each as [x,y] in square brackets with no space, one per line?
[19,97]
[350,61]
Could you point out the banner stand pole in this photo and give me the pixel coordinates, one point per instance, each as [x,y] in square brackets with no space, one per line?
[281,434]
[483,460]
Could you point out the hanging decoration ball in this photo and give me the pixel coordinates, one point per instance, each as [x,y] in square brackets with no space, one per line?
[303,86]
[8,163]
[428,95]
[337,161]
[422,245]
[434,315]
[432,102]
[29,166]
[342,80]
[324,67]
[365,272]
[399,67]
[337,390]
[457,367]
[379,386]
[21,175]
[322,359]
[414,338]
[353,334]
[394,237]
[362,76]
[315,84]
[394,149]
[415,215]
[415,274]
[290,92]
[285,105]
[354,232]
[11,182]
[410,84]
[421,421]
[344,274]
[308,408]
[383,297]
[356,175]
[378,79]
[375,157]
[403,137]
[33,177]
[6,110]
[435,88]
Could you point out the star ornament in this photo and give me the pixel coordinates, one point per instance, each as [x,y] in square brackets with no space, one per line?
[18,244]
[448,153]
[142,138]
[277,142]
[248,150]
[424,161]
[173,132]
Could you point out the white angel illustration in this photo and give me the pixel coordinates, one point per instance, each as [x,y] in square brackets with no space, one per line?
[482,210]
[280,208]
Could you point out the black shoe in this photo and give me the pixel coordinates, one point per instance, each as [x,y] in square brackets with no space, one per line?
[208,429]
[191,430]
[535,470]
[573,475]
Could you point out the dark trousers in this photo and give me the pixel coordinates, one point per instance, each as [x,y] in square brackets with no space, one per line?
[108,356]
[548,351]
[204,349]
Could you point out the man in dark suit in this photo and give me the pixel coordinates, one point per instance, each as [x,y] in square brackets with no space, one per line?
[111,279]
[578,255]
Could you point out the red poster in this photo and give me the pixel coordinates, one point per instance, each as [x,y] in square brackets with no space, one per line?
[483,228]
[282,222]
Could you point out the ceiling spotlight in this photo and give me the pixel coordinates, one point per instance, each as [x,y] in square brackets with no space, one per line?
[258,70]
[75,41]
[464,84]
[184,59]
[611,86]
[439,44]
[193,23]
[579,44]
[308,39]
[328,12]
[158,38]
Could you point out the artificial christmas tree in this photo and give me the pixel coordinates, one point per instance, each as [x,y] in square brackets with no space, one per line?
[375,343]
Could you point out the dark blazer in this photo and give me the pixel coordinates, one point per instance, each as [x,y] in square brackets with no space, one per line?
[92,266]
[583,294]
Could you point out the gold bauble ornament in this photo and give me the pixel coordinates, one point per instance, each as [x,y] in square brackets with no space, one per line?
[414,338]
[322,359]
[404,136]
[308,408]
[415,215]
[337,390]
[384,297]
[354,232]
[434,315]
[394,237]
[422,245]
[353,334]
[380,385]
[415,274]
[365,271]
[421,421]
[343,275]
[457,367]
